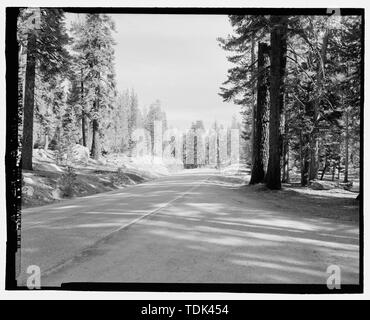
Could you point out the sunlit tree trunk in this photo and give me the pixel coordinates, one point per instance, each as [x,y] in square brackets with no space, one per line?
[324,169]
[258,173]
[277,72]
[304,154]
[95,146]
[285,157]
[83,115]
[46,146]
[253,131]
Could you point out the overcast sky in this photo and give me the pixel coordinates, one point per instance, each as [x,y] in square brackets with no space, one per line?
[176,59]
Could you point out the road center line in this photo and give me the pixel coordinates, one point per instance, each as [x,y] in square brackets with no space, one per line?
[70,260]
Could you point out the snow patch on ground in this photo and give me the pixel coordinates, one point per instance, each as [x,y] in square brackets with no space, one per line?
[154,166]
[45,166]
[43,155]
[338,204]
[79,153]
[110,172]
[334,193]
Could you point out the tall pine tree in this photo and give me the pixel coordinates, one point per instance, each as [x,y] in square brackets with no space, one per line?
[46,39]
[95,44]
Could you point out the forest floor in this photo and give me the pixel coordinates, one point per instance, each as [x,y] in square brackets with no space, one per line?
[44,184]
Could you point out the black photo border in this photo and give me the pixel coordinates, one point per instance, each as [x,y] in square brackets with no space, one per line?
[13,171]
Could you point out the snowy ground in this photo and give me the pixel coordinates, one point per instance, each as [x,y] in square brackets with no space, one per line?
[42,185]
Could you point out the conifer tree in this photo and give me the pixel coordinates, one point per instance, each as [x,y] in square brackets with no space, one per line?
[42,33]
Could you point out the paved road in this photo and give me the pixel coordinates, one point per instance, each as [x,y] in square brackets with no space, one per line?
[195,226]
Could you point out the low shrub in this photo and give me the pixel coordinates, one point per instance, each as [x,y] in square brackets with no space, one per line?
[67,182]
[119,178]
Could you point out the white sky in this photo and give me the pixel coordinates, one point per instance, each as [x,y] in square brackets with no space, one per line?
[176,59]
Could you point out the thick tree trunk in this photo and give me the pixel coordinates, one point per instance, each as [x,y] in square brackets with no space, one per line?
[253,130]
[304,155]
[83,125]
[285,157]
[28,104]
[339,167]
[305,169]
[277,71]
[324,170]
[95,146]
[258,172]
[83,115]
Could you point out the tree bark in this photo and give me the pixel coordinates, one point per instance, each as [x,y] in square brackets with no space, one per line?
[95,146]
[29,101]
[304,157]
[324,170]
[253,131]
[277,71]
[305,169]
[339,167]
[285,157]
[258,172]
[83,125]
[333,170]
[83,119]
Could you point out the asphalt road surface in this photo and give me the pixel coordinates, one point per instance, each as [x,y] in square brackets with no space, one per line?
[193,227]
